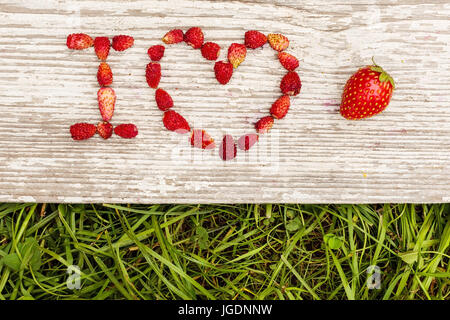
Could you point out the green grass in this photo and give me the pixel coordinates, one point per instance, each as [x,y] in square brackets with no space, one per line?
[224,251]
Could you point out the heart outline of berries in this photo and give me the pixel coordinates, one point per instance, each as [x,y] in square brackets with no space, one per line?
[173,121]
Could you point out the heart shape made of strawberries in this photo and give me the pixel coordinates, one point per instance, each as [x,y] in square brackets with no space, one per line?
[290,85]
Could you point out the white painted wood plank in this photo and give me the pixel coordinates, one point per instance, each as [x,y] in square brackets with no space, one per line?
[311,156]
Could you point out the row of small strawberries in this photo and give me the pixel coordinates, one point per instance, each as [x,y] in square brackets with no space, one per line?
[106,95]
[173,121]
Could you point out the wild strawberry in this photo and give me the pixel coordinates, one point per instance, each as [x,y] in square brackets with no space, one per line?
[254,39]
[156,52]
[104,75]
[247,141]
[367,93]
[291,84]
[236,54]
[126,130]
[288,61]
[278,42]
[223,71]
[227,149]
[79,41]
[101,47]
[153,74]
[210,51]
[194,37]
[163,100]
[105,129]
[174,121]
[122,42]
[264,124]
[82,131]
[173,36]
[201,139]
[106,102]
[280,107]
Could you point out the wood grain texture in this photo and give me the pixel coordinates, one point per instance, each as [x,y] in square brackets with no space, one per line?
[311,156]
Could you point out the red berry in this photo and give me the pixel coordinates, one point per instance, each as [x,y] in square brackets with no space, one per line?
[223,71]
[278,42]
[156,52]
[101,47]
[280,107]
[210,51]
[236,54]
[104,75]
[163,100]
[122,42]
[104,129]
[82,131]
[153,74]
[201,139]
[126,130]
[254,39]
[247,141]
[173,121]
[367,93]
[79,41]
[173,36]
[288,61]
[194,37]
[264,124]
[106,102]
[227,149]
[291,84]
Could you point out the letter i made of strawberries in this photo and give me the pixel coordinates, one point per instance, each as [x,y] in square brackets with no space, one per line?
[106,95]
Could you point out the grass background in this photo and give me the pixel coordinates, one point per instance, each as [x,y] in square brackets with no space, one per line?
[224,251]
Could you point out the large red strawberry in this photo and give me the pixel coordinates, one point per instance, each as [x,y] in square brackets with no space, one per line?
[174,121]
[82,131]
[367,93]
[223,71]
[122,42]
[101,47]
[106,102]
[79,41]
[153,74]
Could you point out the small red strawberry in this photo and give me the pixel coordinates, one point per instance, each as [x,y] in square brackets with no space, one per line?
[156,52]
[153,74]
[291,84]
[201,139]
[79,41]
[173,36]
[101,47]
[227,149]
[82,131]
[105,129]
[106,102]
[104,75]
[163,100]
[236,54]
[122,42]
[288,61]
[174,121]
[126,130]
[223,71]
[280,107]
[194,37]
[367,93]
[278,42]
[254,39]
[210,51]
[264,124]
[247,141]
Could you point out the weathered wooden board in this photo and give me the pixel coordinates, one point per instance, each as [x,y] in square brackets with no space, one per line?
[312,156]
